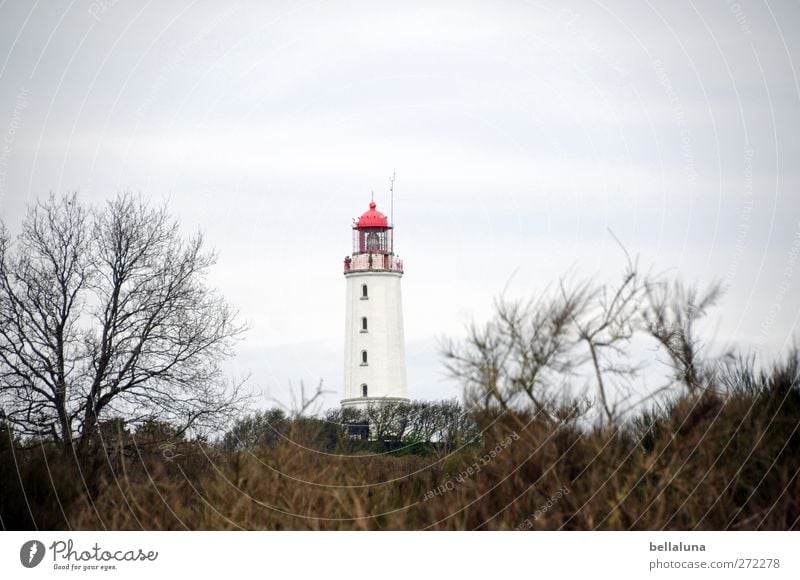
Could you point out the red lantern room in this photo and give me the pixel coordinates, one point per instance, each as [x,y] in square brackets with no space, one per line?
[372,233]
[372,244]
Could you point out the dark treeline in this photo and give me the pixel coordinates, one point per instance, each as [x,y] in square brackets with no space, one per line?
[420,427]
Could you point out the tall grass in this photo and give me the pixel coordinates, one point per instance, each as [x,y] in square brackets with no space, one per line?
[724,458]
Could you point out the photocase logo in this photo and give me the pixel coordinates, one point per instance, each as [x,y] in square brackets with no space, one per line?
[31,553]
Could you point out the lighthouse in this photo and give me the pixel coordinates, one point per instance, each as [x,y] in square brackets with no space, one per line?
[374,351]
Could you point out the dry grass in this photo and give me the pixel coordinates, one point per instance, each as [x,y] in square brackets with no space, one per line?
[707,461]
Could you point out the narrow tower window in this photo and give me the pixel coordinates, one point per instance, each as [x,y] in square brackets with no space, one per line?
[364,324]
[363,358]
[364,293]
[364,390]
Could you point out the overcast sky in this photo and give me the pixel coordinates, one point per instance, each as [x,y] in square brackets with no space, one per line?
[521,133]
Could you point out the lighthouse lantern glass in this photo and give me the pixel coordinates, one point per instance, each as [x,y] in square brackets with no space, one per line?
[372,240]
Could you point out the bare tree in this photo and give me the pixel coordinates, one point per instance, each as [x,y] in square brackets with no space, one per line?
[669,316]
[519,356]
[303,405]
[106,312]
[605,324]
[529,354]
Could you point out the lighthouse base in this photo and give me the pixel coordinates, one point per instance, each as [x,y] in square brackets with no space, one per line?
[364,402]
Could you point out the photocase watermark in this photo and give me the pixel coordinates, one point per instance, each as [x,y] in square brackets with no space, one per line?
[66,556]
[783,289]
[527,524]
[476,467]
[744,217]
[31,553]
[680,120]
[183,52]
[100,7]
[740,16]
[573,26]
[168,451]
[20,104]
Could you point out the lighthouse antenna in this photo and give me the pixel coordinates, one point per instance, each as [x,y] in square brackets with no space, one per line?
[391,197]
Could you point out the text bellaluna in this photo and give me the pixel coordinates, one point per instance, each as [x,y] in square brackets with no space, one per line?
[679,547]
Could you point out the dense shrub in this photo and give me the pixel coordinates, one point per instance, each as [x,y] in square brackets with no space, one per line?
[724,458]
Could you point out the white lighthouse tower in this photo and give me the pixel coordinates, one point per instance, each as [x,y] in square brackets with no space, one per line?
[374,349]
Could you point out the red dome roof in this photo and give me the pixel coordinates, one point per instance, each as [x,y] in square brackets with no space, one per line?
[372,218]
